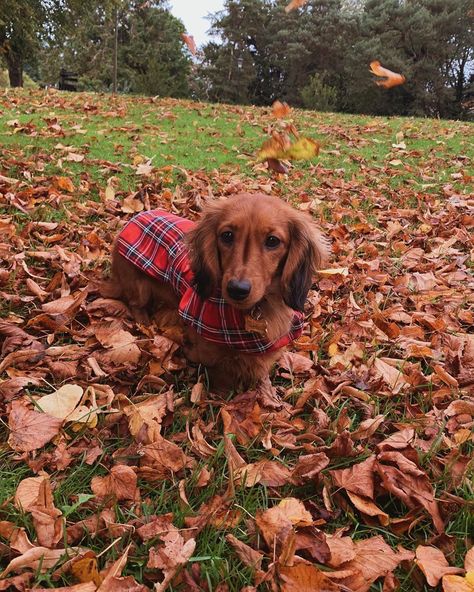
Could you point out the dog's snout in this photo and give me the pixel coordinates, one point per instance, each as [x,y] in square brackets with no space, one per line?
[239,289]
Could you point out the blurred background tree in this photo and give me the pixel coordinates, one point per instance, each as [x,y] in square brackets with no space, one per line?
[315,57]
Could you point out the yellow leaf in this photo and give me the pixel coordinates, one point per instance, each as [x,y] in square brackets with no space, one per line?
[86,570]
[279,147]
[334,271]
[303,149]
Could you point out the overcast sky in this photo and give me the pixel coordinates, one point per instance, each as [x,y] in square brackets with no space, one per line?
[193,13]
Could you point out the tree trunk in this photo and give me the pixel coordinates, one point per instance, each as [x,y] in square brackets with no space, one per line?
[115,56]
[15,69]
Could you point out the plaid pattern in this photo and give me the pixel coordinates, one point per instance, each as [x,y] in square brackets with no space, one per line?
[153,241]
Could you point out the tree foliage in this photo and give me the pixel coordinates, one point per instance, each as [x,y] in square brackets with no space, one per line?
[80,38]
[316,56]
[266,54]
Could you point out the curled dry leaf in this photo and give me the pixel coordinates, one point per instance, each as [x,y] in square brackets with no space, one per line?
[368,507]
[26,494]
[170,556]
[390,78]
[86,569]
[39,558]
[47,519]
[395,379]
[30,430]
[267,472]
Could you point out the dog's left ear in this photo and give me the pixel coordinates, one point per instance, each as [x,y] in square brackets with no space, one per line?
[203,251]
[308,251]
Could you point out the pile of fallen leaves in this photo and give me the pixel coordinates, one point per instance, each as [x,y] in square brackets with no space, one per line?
[358,452]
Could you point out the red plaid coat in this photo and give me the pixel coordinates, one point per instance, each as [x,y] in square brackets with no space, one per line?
[153,241]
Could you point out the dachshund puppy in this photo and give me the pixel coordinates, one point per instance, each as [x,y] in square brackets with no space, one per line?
[237,280]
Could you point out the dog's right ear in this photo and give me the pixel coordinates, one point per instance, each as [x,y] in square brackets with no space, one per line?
[203,251]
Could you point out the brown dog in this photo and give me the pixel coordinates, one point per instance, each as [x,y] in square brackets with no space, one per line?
[238,280]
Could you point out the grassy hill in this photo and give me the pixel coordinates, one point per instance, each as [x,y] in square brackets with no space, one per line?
[368,429]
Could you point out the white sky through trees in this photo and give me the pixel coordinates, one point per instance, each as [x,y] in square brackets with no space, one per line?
[193,14]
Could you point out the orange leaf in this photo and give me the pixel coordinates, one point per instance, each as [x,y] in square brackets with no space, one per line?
[63,184]
[295,4]
[390,78]
[86,570]
[280,109]
[304,577]
[189,40]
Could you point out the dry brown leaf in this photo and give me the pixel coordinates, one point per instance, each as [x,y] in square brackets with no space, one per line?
[246,554]
[392,376]
[374,559]
[304,577]
[433,564]
[121,344]
[30,430]
[458,584]
[86,570]
[276,523]
[39,558]
[358,478]
[309,466]
[367,506]
[170,556]
[120,483]
[47,519]
[27,492]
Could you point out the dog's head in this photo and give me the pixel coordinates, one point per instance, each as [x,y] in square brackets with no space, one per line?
[252,245]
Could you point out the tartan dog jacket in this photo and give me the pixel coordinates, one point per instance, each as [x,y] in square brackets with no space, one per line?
[153,241]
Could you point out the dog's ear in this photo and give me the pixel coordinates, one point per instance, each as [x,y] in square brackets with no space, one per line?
[203,251]
[308,251]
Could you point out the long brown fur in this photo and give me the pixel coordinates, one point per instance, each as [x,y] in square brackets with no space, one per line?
[280,278]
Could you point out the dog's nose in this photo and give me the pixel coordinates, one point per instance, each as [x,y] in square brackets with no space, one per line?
[239,289]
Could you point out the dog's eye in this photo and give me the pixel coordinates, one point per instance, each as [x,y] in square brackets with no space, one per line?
[272,242]
[227,237]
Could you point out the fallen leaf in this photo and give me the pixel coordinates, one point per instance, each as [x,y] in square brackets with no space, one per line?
[30,430]
[121,483]
[62,402]
[433,564]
